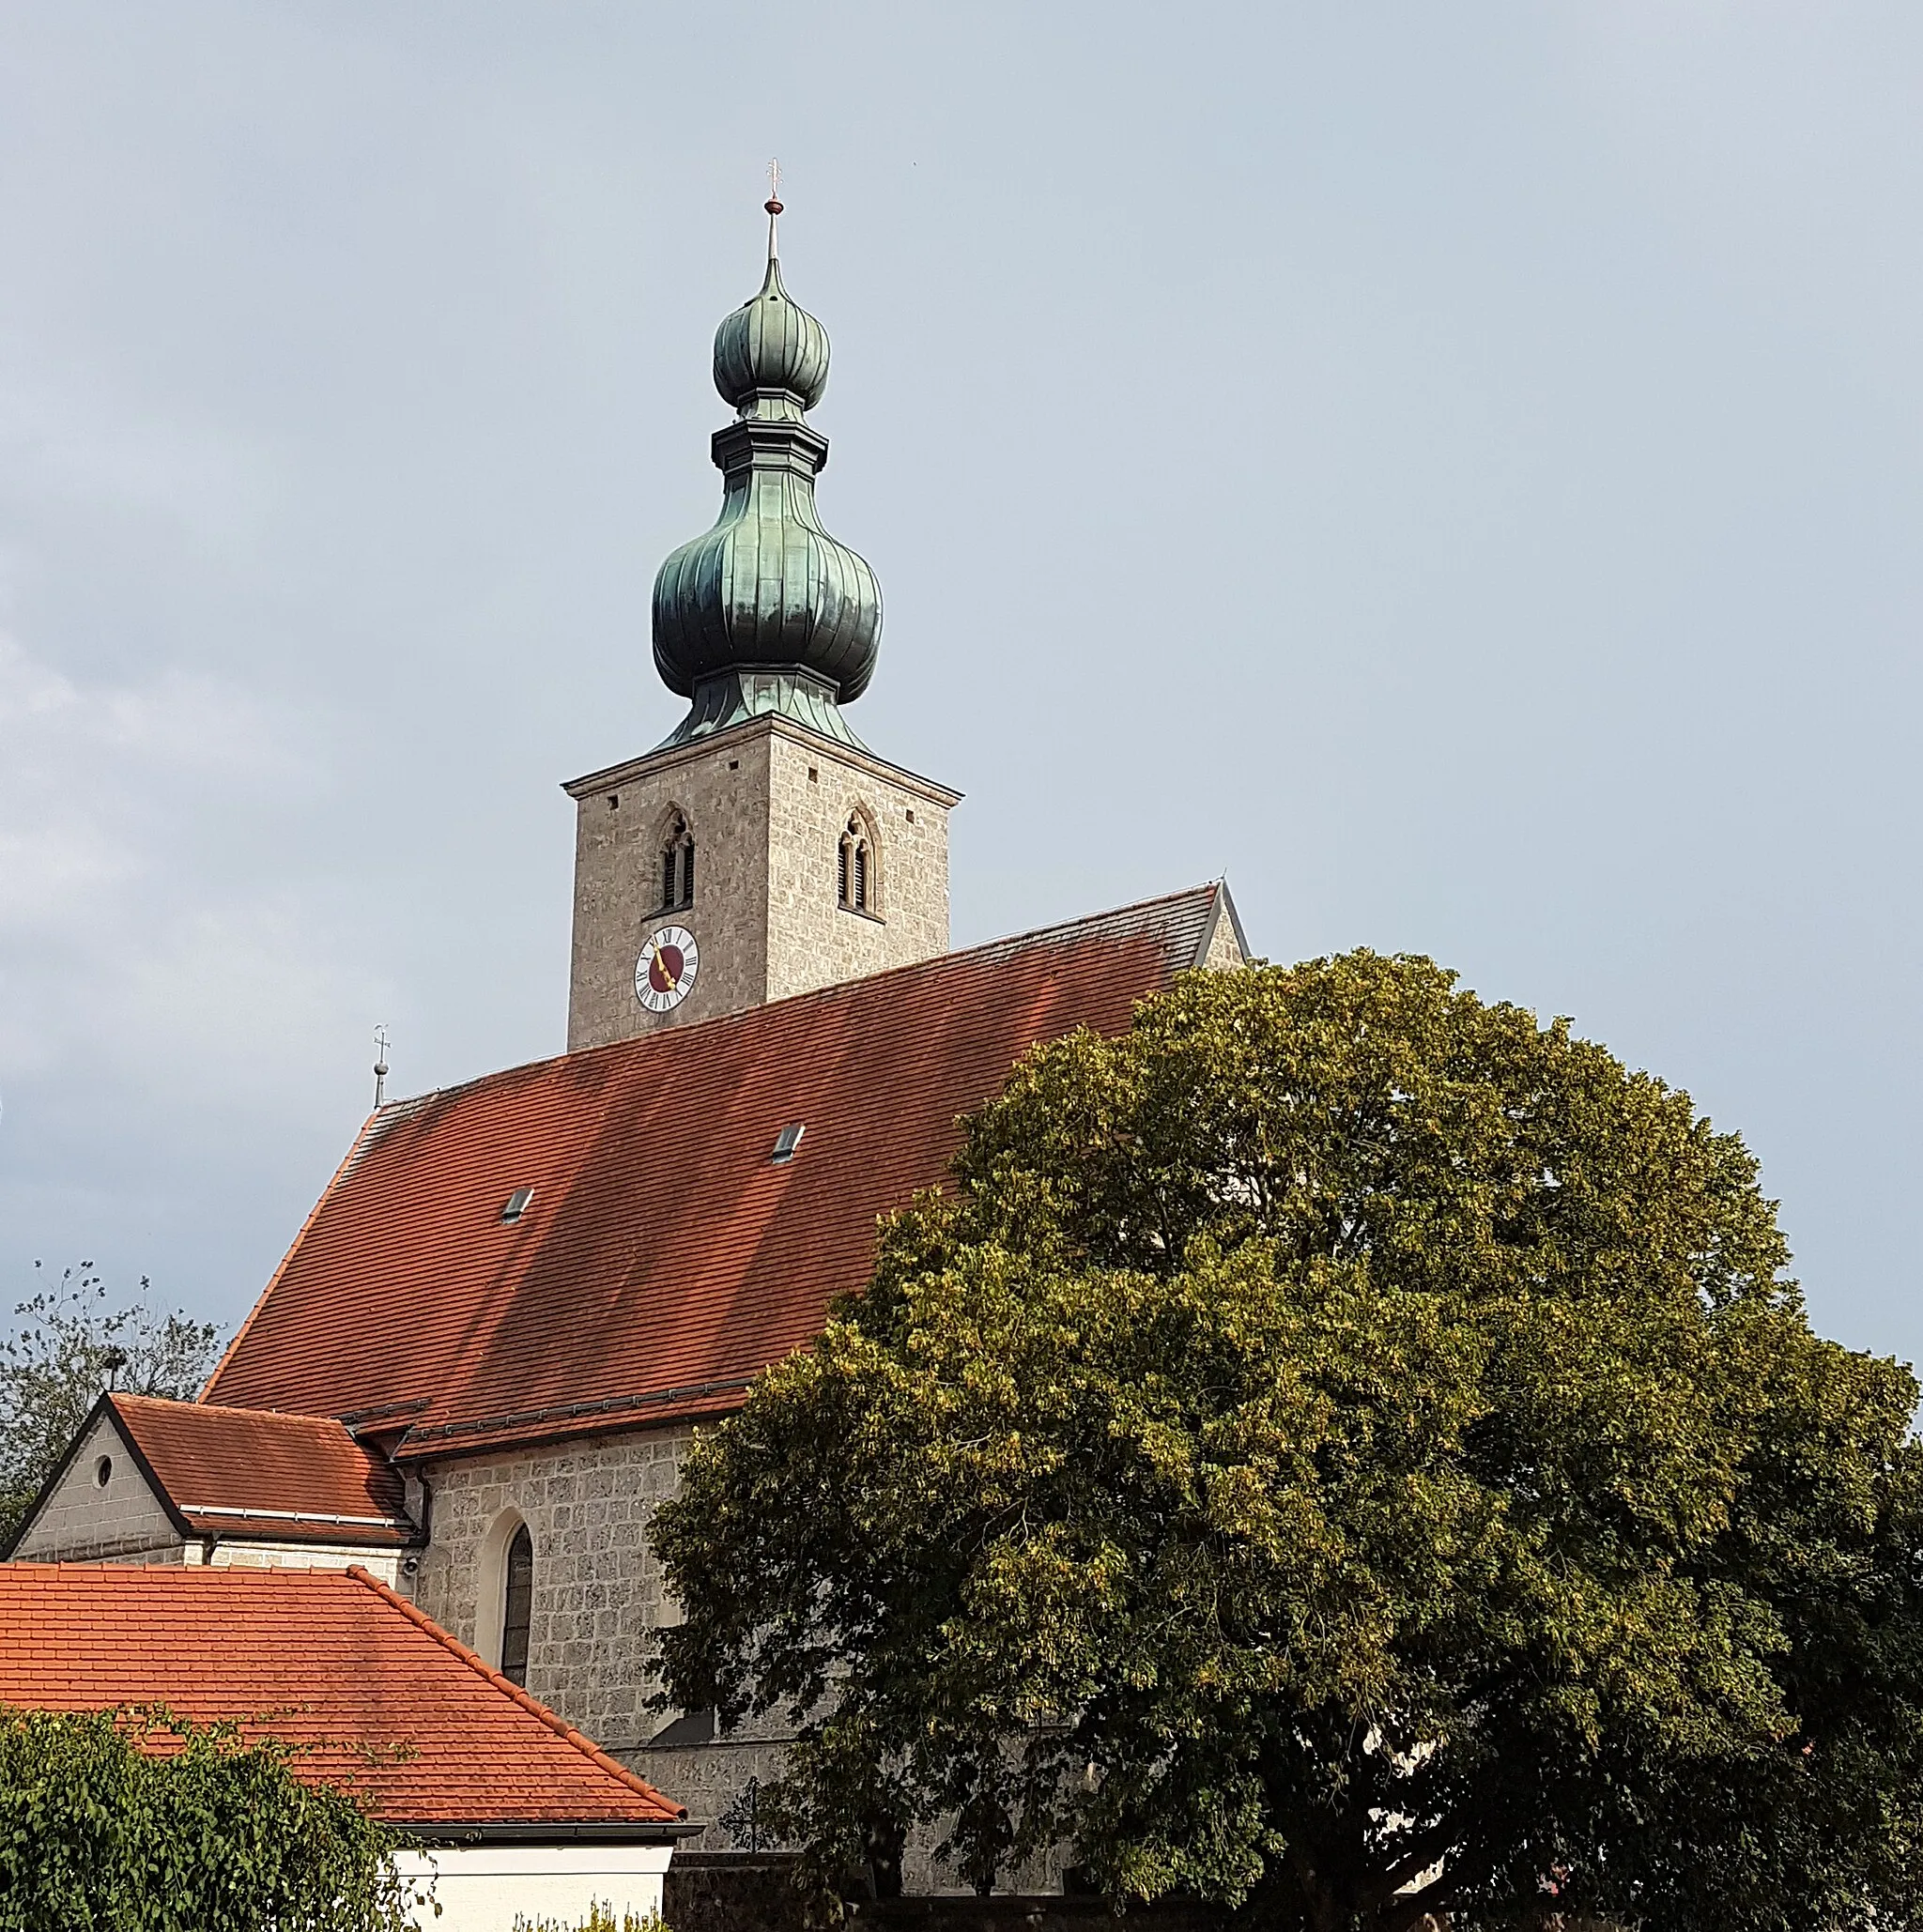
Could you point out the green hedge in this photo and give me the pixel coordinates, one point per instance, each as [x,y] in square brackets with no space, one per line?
[209,1832]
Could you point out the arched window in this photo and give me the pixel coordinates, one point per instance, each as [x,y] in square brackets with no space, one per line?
[677,865]
[854,868]
[516,1606]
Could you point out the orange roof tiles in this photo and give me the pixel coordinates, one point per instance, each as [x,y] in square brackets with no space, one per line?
[256,1473]
[664,1261]
[328,1659]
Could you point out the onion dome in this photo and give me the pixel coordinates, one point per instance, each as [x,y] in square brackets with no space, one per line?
[773,343]
[767,612]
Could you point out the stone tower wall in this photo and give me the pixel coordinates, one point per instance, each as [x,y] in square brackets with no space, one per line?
[722,787]
[766,805]
[812,940]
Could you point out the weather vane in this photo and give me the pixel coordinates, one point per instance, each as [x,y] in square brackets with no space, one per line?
[773,204]
[381,1065]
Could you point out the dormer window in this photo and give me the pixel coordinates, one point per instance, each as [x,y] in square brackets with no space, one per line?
[854,868]
[677,866]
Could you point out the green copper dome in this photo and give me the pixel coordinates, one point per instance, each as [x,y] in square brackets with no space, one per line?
[771,344]
[767,611]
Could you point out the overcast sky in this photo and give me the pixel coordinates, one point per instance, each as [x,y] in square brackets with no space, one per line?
[1454,468]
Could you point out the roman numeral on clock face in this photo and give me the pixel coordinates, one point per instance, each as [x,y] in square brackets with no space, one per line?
[664,972]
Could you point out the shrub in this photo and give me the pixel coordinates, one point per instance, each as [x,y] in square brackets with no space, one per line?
[139,1821]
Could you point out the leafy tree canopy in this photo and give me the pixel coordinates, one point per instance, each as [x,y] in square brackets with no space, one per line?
[1343,1450]
[114,1821]
[70,1343]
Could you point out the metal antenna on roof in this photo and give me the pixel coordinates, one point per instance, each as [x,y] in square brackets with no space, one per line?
[380,1067]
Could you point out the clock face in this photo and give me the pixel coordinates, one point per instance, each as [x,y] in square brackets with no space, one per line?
[664,972]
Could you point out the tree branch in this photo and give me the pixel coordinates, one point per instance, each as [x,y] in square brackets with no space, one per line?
[1422,1852]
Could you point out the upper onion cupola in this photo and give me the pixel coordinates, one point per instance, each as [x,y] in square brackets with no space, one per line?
[771,347]
[766,612]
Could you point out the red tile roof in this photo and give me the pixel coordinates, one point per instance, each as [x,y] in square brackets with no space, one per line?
[253,1473]
[664,1261]
[330,1659]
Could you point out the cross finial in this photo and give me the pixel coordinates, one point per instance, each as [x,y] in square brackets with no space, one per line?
[381,1065]
[773,204]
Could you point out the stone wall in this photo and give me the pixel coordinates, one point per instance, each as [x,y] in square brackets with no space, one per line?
[710,1779]
[599,1597]
[721,788]
[598,1593]
[1027,1912]
[813,939]
[1222,951]
[385,1563]
[87,1521]
[766,805]
[707,1892]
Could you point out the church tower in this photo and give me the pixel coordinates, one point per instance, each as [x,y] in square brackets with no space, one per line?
[762,849]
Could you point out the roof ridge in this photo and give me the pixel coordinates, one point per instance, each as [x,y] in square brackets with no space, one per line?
[558,1725]
[120,1396]
[1205,889]
[396,1111]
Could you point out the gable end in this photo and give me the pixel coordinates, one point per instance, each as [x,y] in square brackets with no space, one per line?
[76,1517]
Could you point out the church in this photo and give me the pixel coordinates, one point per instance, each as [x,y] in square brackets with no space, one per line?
[478,1368]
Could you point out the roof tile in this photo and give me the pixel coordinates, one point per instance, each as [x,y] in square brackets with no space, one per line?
[659,1231]
[331,1661]
[249,1472]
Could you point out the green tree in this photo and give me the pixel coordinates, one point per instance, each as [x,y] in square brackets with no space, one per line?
[119,1821]
[1348,1452]
[72,1343]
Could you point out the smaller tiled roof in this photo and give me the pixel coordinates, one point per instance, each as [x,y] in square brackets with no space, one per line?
[380,1696]
[264,1474]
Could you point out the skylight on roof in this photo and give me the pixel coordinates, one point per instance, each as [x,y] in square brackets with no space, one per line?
[517,1204]
[786,1141]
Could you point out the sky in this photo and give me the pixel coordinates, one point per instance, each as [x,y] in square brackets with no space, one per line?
[1455,470]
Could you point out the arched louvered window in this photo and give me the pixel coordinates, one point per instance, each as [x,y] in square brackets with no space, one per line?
[854,869]
[677,866]
[517,1607]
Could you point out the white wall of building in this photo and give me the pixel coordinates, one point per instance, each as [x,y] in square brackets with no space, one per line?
[485,1888]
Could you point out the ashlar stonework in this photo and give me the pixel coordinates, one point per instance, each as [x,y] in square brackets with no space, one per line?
[766,803]
[598,1592]
[599,1598]
[102,1509]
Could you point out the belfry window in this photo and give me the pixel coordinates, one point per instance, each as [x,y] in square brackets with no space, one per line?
[517,1607]
[677,866]
[854,869]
